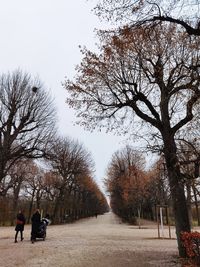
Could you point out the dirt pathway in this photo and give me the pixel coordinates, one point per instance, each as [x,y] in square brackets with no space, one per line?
[93,242]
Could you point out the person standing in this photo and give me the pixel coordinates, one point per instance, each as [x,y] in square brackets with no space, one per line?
[36,221]
[20,222]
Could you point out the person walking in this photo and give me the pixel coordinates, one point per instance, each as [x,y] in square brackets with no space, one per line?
[36,221]
[20,222]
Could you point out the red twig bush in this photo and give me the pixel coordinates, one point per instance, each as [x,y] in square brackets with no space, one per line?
[191,242]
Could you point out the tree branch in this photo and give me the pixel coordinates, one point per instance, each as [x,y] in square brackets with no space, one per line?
[190,30]
[189,114]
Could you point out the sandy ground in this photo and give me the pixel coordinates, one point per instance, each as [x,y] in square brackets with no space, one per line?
[93,242]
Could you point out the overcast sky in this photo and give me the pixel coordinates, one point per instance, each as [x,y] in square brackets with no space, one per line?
[42,37]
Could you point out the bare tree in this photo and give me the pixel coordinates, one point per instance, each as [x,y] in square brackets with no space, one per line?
[138,12]
[159,185]
[71,162]
[150,76]
[16,179]
[34,187]
[27,119]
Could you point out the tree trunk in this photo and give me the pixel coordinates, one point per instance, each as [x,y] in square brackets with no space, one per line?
[31,206]
[196,204]
[16,190]
[15,208]
[177,192]
[56,209]
[189,205]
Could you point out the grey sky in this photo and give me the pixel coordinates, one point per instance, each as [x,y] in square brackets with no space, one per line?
[42,38]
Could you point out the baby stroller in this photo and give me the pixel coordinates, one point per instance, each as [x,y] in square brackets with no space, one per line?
[42,230]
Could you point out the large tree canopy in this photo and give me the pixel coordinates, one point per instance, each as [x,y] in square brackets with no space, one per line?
[27,119]
[150,75]
[153,74]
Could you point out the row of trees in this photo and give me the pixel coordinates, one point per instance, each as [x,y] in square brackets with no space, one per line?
[39,169]
[146,74]
[135,193]
[127,184]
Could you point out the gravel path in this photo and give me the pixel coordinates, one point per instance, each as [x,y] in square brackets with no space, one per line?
[93,242]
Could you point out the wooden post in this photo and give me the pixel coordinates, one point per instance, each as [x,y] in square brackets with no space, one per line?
[161,221]
[139,222]
[167,212]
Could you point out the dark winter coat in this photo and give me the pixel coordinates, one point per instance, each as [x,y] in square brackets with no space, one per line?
[20,222]
[36,221]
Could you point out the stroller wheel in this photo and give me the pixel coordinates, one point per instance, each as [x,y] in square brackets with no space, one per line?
[44,237]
